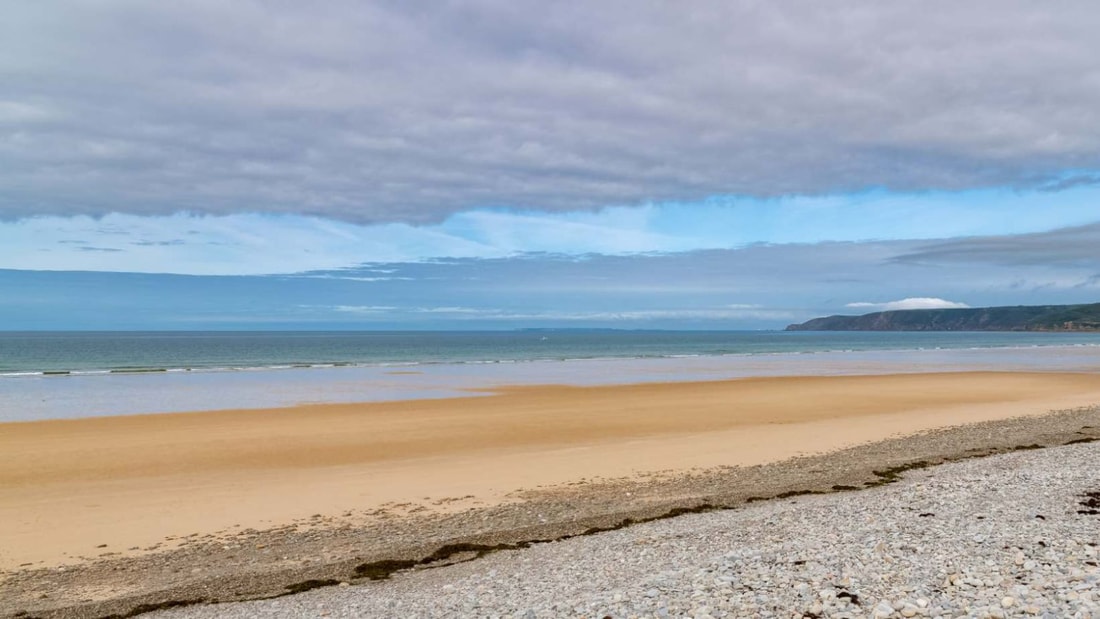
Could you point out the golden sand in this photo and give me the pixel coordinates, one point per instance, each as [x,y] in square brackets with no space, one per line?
[69,486]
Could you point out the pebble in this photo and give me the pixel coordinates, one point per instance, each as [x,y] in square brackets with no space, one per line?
[851,555]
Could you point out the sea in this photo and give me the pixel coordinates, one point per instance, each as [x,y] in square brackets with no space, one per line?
[63,375]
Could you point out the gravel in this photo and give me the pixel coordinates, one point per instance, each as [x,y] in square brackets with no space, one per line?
[1012,535]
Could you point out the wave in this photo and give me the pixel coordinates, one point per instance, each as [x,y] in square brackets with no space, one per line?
[282,366]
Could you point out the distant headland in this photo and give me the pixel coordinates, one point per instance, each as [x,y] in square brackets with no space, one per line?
[1013,318]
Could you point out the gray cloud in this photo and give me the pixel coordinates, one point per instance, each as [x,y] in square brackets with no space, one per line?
[761,286]
[1071,181]
[169,243]
[1077,246]
[409,111]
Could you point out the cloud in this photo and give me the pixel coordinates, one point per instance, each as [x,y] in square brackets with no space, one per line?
[483,314]
[361,309]
[1072,180]
[912,303]
[168,243]
[253,243]
[412,111]
[1070,246]
[750,287]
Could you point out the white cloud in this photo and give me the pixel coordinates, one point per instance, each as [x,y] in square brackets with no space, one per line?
[910,303]
[360,309]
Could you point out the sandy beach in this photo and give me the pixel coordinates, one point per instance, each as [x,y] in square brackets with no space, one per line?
[90,492]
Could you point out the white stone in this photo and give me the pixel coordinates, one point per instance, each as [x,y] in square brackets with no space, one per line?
[883,609]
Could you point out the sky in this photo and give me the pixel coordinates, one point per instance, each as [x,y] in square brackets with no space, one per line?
[491,164]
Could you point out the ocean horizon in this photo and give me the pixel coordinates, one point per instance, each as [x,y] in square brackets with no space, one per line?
[57,353]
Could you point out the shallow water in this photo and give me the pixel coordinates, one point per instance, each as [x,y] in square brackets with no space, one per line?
[451,364]
[113,352]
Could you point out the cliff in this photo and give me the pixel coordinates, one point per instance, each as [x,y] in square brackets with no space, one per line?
[1015,318]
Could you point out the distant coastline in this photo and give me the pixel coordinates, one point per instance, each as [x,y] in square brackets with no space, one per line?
[1075,318]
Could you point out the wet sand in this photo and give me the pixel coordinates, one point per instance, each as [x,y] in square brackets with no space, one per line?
[75,490]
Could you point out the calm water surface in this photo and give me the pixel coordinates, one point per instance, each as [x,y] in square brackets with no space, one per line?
[50,375]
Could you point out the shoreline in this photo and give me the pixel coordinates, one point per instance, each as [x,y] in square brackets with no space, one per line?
[835,433]
[80,396]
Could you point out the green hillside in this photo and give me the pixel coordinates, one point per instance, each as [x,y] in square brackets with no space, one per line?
[1013,318]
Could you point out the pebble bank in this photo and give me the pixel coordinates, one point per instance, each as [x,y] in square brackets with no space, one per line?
[1013,535]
